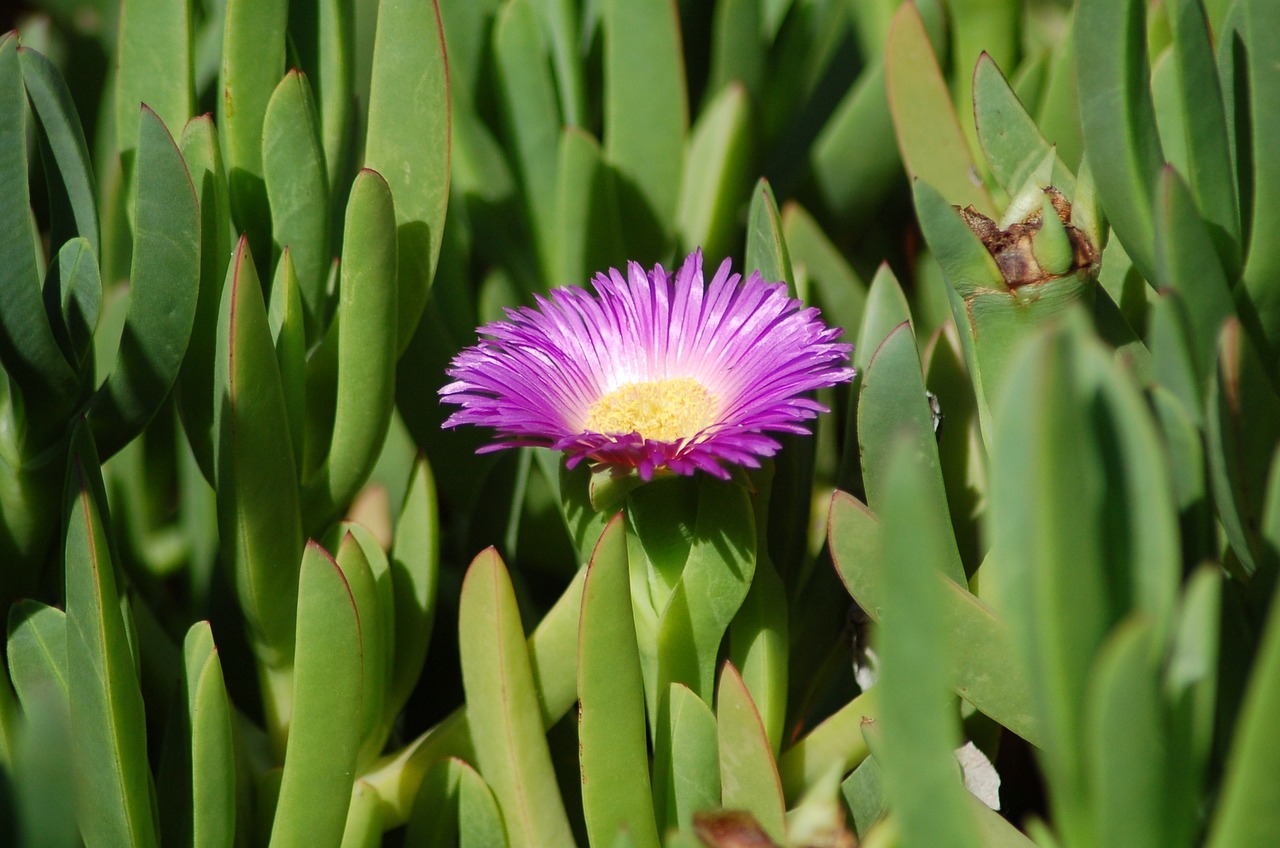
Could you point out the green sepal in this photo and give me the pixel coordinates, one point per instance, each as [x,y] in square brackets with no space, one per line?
[324,729]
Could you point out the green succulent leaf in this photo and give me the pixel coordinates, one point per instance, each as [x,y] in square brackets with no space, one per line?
[366,354]
[646,118]
[613,746]
[1118,119]
[255,480]
[933,145]
[164,282]
[213,756]
[153,67]
[415,568]
[507,729]
[532,120]
[194,391]
[748,774]
[294,172]
[28,348]
[37,651]
[73,207]
[715,173]
[253,61]
[686,767]
[589,238]
[408,143]
[110,742]
[324,730]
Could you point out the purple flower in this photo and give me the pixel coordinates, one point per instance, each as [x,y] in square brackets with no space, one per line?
[651,372]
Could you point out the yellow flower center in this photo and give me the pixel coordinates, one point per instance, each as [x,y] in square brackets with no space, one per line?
[662,410]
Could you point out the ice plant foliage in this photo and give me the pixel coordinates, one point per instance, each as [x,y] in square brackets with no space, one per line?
[652,371]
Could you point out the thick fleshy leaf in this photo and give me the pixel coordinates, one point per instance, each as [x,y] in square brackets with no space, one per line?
[363,828]
[759,644]
[1247,57]
[297,186]
[930,138]
[532,121]
[589,237]
[255,478]
[835,744]
[696,582]
[366,353]
[1129,756]
[37,650]
[28,348]
[213,756]
[354,560]
[832,283]
[686,767]
[153,67]
[1187,262]
[715,172]
[738,48]
[560,20]
[39,764]
[1118,119]
[748,774]
[978,28]
[194,391]
[73,207]
[408,142]
[286,318]
[324,731]
[110,742]
[415,567]
[988,673]
[73,299]
[253,61]
[325,36]
[1248,811]
[612,743]
[646,119]
[1012,142]
[893,405]
[164,282]
[1208,153]
[920,729]
[1067,407]
[507,729]
[480,822]
[1243,427]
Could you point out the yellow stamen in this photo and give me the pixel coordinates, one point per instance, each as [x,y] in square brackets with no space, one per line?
[662,410]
